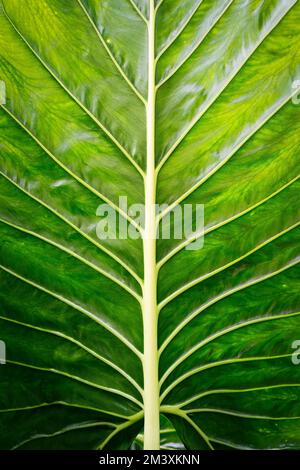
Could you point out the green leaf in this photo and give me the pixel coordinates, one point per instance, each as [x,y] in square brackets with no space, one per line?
[169,439]
[137,342]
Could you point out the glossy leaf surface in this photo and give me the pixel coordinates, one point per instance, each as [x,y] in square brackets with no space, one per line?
[88,113]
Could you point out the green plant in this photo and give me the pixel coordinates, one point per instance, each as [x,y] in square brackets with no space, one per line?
[174,102]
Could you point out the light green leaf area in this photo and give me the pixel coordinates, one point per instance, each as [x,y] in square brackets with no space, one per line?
[132,343]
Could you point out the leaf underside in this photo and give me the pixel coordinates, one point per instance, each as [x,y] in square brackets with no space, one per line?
[73,136]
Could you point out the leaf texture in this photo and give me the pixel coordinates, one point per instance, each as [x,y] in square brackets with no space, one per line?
[75,135]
